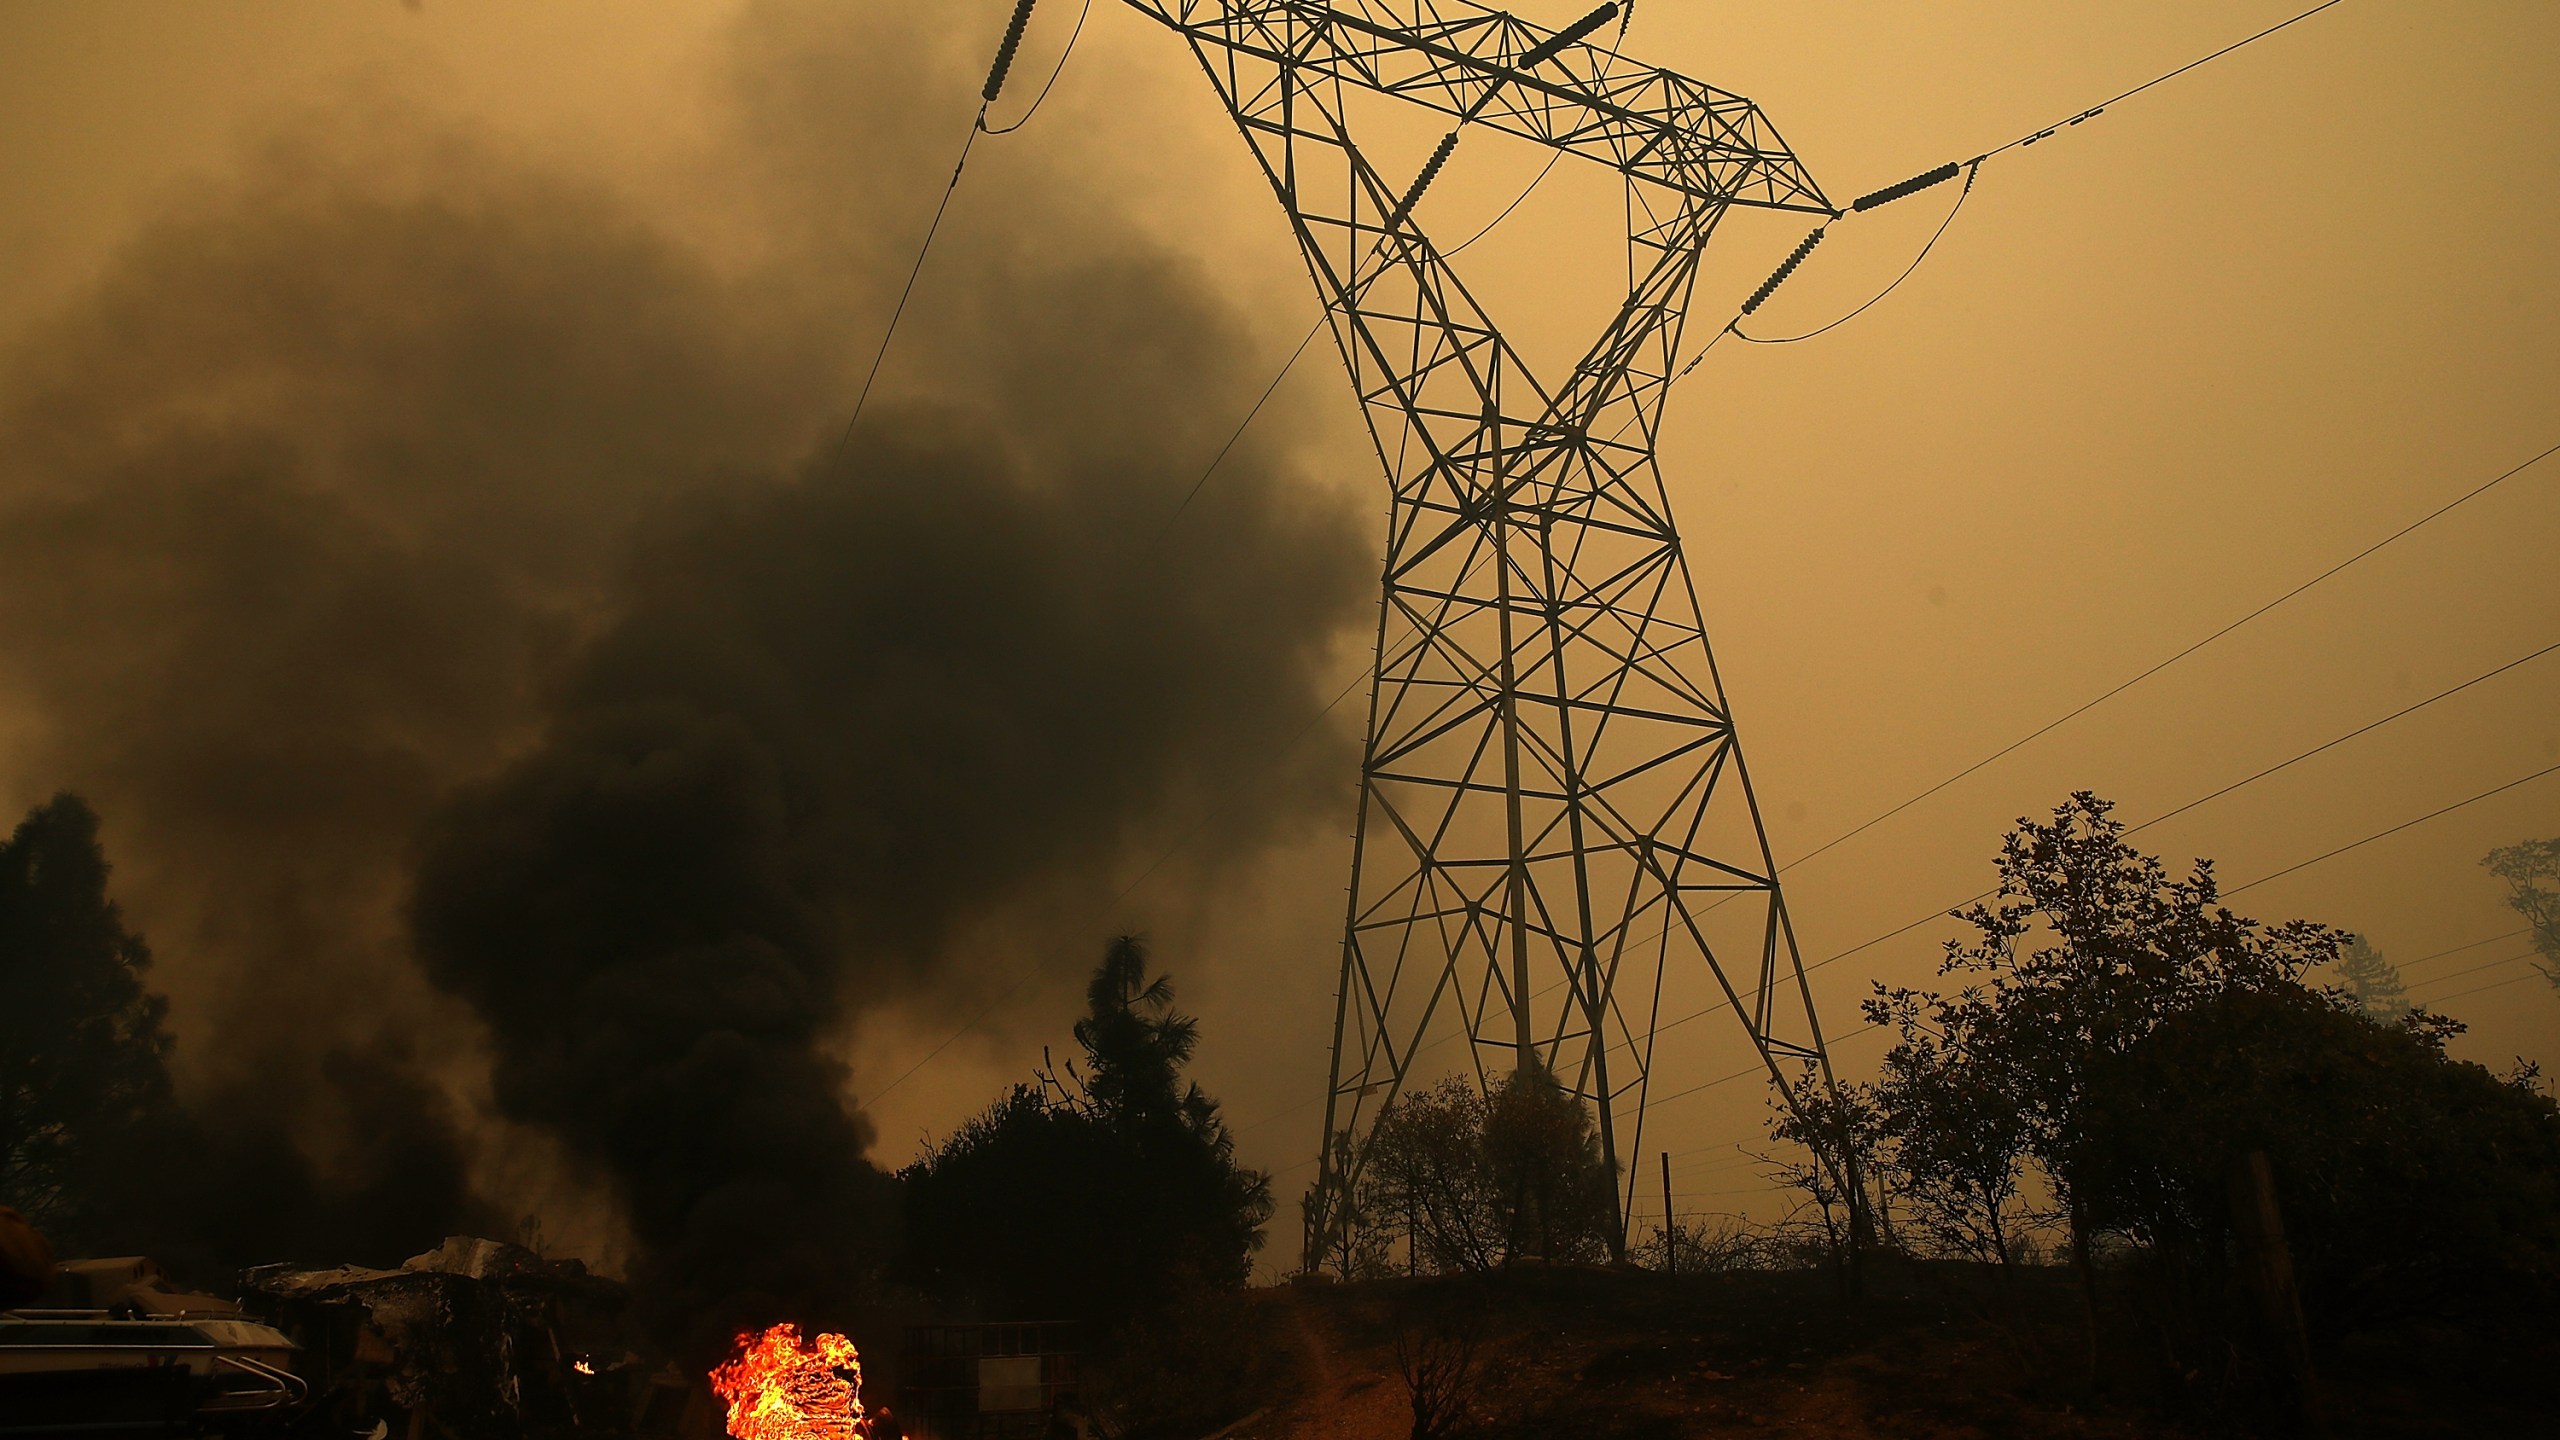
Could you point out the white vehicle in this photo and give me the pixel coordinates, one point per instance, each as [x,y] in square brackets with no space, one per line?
[150,1364]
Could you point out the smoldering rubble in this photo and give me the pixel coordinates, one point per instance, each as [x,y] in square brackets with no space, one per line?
[473,1338]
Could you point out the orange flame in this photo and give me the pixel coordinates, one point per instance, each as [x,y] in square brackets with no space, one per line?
[779,1389]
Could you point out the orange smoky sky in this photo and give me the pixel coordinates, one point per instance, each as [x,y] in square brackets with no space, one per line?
[2164,367]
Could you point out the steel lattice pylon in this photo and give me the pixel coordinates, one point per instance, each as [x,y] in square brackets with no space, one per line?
[1554,815]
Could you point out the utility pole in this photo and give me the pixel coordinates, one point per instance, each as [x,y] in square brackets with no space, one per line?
[1555,821]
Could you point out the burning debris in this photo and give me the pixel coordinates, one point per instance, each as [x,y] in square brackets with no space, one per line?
[778,1388]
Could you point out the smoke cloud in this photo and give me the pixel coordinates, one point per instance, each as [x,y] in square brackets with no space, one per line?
[501,692]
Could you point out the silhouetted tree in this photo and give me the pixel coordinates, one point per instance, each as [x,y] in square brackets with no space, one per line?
[83,1048]
[1104,1191]
[1427,1175]
[1342,1237]
[1475,1180]
[2138,1044]
[2373,981]
[2532,873]
[1840,1130]
[2086,946]
[2408,1180]
[1957,1125]
[1545,1158]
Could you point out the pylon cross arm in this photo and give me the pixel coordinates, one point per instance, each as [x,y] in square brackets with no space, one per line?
[1463,60]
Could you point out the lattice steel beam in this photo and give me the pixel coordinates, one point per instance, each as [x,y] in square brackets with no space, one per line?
[1554,814]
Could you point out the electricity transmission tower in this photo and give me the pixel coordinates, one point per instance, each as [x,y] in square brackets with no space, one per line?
[1554,816]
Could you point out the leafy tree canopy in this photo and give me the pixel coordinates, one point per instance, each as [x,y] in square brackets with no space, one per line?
[2125,1039]
[1472,1180]
[1103,1192]
[2087,945]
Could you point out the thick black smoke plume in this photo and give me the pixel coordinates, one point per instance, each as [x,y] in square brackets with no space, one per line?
[839,720]
[404,532]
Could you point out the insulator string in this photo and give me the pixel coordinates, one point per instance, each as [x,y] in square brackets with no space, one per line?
[1005,51]
[1043,97]
[1970,171]
[1785,268]
[1554,45]
[1971,168]
[1912,186]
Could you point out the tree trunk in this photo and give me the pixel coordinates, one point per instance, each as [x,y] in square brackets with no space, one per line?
[2081,1261]
[1861,1228]
[2266,1273]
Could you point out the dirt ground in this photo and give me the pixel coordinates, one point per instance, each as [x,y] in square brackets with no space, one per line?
[1618,1355]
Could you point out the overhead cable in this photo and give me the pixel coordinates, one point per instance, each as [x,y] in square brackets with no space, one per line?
[2475,969]
[2405,966]
[2167,815]
[1241,426]
[1943,173]
[2494,985]
[2352,734]
[2396,829]
[2093,703]
[2094,111]
[2261,880]
[994,87]
[1708,1168]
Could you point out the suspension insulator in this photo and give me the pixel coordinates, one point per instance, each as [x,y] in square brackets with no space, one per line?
[1004,52]
[1785,268]
[1912,186]
[1549,48]
[1422,182]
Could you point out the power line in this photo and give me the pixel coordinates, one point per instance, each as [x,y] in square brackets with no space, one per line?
[987,94]
[899,312]
[2481,989]
[2261,880]
[2084,708]
[1756,1069]
[2167,815]
[2396,829]
[1946,172]
[2475,969]
[2458,949]
[1241,426]
[2352,734]
[1860,1032]
[2094,111]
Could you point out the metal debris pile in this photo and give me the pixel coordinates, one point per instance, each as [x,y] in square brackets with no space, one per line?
[475,1338]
